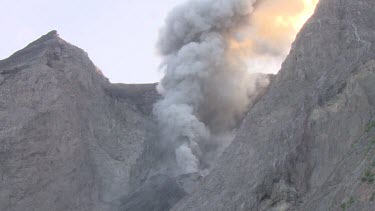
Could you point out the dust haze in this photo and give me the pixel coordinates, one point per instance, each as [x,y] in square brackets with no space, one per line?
[208,86]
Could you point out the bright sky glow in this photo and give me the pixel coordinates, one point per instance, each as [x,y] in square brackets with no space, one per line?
[120,35]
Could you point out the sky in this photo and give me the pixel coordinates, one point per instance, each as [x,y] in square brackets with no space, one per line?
[119,35]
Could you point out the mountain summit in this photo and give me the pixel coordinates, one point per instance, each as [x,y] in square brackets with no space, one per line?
[71,140]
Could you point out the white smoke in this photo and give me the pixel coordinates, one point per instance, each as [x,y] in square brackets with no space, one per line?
[186,159]
[207,87]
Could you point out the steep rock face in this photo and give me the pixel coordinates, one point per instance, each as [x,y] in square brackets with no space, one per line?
[68,139]
[306,145]
[159,193]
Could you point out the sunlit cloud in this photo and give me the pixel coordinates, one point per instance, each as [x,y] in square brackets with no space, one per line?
[273,26]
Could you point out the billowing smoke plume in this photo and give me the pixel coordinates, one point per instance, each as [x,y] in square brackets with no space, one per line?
[207,87]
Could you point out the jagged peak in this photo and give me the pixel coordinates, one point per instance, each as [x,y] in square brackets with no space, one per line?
[35,49]
[52,35]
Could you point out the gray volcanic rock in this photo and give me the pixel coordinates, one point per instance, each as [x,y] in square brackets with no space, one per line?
[159,193]
[308,144]
[69,139]
[142,95]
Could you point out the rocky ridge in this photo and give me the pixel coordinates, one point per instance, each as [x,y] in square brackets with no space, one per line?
[71,140]
[68,138]
[308,144]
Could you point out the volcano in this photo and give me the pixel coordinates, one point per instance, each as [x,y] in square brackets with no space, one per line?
[71,140]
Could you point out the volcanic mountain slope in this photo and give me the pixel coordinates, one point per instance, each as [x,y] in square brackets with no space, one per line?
[308,144]
[69,140]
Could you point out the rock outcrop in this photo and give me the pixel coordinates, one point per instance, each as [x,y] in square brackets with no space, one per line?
[308,144]
[69,139]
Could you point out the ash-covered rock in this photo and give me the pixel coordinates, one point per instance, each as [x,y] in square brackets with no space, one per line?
[303,146]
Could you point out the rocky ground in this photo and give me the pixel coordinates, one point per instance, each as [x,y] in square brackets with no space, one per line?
[71,140]
[309,143]
[68,138]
